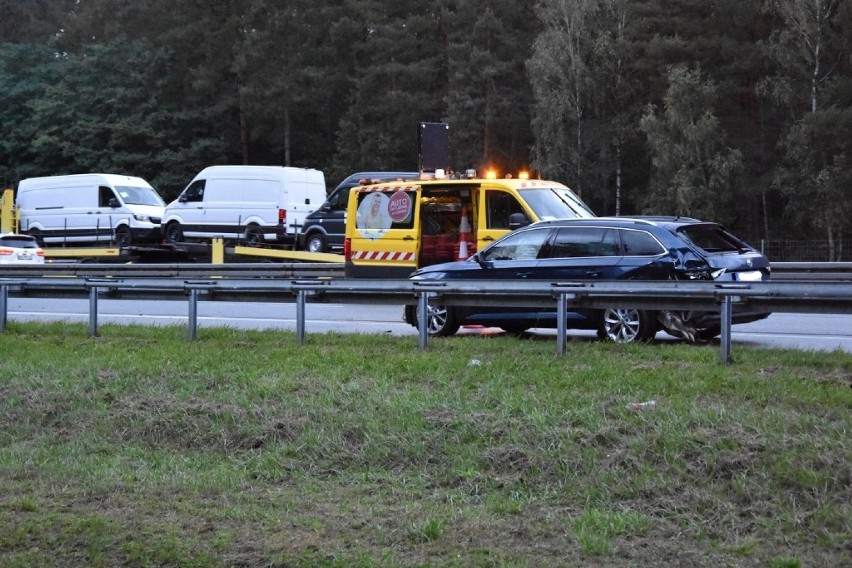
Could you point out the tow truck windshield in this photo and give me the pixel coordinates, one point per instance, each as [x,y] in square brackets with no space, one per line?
[556,203]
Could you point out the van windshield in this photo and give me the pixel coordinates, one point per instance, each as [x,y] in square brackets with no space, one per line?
[555,203]
[139,196]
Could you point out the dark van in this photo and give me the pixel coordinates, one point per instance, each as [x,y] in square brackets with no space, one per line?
[324,229]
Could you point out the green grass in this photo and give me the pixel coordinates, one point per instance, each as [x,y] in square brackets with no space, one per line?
[140,448]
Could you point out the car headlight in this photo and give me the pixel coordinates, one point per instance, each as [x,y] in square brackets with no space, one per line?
[144,218]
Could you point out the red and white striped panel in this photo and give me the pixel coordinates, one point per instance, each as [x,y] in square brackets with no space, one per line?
[377,255]
[536,183]
[390,188]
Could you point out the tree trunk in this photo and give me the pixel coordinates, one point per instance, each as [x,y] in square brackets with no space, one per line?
[286,135]
[831,257]
[618,178]
[765,215]
[244,127]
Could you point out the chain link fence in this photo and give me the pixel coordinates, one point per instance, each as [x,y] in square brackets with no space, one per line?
[778,250]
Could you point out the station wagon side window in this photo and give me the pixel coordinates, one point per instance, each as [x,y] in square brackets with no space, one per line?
[640,243]
[579,242]
[105,193]
[525,245]
[499,206]
[195,191]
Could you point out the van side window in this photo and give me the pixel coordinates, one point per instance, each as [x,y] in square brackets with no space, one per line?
[195,192]
[499,206]
[105,193]
[337,200]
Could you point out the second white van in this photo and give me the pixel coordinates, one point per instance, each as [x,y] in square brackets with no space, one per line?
[251,204]
[89,208]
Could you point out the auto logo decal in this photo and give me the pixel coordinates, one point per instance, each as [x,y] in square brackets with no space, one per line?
[748,262]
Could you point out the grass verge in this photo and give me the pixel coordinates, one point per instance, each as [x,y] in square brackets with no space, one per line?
[242,448]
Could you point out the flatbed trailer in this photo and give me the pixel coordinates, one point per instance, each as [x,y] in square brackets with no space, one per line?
[215,252]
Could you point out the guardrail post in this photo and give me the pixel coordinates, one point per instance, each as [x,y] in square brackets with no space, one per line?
[561,324]
[192,330]
[300,316]
[4,306]
[725,337]
[423,320]
[93,311]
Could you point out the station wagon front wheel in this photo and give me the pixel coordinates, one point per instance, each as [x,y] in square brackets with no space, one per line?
[627,325]
[441,320]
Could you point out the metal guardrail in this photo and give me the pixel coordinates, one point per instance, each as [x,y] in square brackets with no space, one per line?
[810,271]
[177,269]
[804,271]
[825,297]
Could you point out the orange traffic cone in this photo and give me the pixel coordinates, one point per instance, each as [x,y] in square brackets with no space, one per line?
[465,245]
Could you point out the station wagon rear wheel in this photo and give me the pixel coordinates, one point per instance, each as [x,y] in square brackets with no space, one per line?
[627,325]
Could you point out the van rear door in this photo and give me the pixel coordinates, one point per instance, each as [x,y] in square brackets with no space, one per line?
[383,241]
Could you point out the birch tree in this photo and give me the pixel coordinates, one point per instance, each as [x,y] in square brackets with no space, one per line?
[694,172]
[586,108]
[811,49]
[562,87]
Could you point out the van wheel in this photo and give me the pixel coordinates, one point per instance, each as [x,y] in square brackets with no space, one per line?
[253,236]
[36,234]
[627,325]
[316,243]
[173,234]
[122,236]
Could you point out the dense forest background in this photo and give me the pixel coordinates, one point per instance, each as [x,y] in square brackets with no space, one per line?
[733,110]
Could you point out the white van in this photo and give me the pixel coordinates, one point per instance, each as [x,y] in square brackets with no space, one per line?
[253,204]
[89,208]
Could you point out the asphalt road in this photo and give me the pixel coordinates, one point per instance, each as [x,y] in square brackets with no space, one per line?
[821,332]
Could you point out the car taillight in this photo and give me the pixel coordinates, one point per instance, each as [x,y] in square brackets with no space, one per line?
[347,249]
[5,251]
[39,252]
[282,216]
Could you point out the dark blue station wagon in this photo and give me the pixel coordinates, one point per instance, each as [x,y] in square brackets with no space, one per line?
[603,248]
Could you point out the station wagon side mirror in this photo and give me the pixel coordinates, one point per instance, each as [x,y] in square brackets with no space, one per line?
[518,220]
[480,260]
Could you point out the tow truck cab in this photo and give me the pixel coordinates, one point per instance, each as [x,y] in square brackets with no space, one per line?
[394,228]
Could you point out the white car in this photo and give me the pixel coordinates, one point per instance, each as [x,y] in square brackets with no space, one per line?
[20,249]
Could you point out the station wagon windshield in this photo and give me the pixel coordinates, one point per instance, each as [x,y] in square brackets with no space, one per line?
[139,196]
[555,203]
